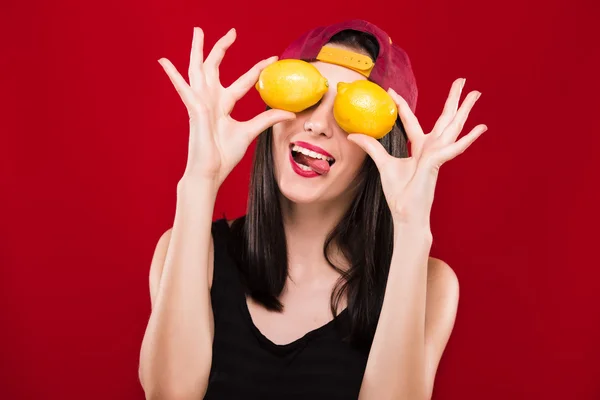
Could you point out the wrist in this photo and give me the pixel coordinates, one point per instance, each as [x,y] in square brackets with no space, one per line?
[191,184]
[418,230]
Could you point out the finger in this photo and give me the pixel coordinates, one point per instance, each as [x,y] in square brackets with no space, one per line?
[265,120]
[177,80]
[196,59]
[409,121]
[213,61]
[245,82]
[453,129]
[450,106]
[372,147]
[458,147]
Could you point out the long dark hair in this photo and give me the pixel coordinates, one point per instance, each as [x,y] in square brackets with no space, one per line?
[364,234]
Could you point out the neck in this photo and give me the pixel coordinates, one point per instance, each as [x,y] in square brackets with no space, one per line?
[306,228]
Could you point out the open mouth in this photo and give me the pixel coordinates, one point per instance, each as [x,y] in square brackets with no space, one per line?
[309,160]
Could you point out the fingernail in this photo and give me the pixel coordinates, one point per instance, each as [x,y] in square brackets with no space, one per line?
[478,96]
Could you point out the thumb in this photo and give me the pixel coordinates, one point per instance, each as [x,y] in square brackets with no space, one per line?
[267,119]
[372,147]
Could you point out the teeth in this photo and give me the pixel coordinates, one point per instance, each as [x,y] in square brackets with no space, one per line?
[310,153]
[304,167]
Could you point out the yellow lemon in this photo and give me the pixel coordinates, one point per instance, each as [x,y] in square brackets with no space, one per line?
[291,85]
[364,107]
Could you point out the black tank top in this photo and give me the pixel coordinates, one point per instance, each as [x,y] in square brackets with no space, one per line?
[247,365]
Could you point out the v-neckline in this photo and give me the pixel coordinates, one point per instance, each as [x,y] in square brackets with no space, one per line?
[287,347]
[293,345]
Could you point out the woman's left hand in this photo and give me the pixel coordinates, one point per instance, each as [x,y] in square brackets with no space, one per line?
[409,183]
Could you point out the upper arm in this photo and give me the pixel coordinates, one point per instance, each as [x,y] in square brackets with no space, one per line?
[158,261]
[440,312]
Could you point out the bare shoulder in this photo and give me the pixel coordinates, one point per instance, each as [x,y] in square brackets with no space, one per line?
[440,311]
[441,278]
[160,255]
[441,303]
[157,263]
[442,292]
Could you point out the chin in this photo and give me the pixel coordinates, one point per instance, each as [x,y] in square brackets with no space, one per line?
[302,190]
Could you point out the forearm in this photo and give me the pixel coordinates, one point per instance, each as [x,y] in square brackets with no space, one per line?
[396,364]
[177,347]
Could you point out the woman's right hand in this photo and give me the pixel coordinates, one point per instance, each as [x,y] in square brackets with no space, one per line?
[217,142]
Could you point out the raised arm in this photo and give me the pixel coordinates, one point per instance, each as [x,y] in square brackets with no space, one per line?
[176,352]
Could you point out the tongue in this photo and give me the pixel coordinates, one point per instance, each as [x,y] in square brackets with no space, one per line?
[319,166]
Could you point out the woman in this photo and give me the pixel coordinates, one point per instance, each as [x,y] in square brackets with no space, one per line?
[325,289]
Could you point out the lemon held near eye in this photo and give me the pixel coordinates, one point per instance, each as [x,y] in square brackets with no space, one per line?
[291,85]
[364,107]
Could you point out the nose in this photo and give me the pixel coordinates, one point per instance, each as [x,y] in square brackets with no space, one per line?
[320,120]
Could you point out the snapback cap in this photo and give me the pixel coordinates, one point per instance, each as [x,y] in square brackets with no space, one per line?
[392,68]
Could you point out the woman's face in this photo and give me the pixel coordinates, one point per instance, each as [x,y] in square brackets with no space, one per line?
[316,129]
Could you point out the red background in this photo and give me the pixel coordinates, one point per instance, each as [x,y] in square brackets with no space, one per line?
[94,141]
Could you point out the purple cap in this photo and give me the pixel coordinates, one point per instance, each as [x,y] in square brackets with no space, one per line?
[392,67]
